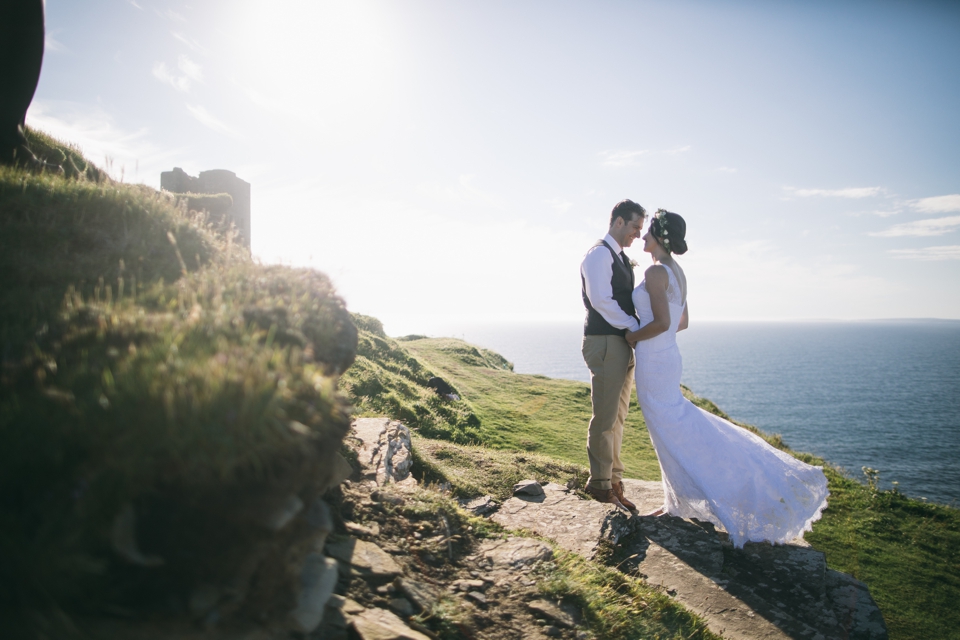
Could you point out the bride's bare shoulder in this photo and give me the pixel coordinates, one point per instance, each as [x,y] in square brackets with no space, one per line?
[656,273]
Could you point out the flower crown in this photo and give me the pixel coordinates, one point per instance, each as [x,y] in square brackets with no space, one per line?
[660,231]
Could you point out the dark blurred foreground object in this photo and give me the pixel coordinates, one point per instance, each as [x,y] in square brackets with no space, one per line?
[21,56]
[443,388]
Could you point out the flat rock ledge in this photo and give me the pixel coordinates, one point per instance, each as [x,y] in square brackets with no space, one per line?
[762,591]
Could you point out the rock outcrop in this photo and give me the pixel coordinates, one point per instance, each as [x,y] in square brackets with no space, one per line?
[384,450]
[761,591]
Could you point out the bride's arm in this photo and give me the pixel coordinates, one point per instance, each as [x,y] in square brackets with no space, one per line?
[657,281]
[685,318]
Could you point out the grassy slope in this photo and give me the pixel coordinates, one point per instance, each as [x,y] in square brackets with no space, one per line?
[147,361]
[533,413]
[906,550]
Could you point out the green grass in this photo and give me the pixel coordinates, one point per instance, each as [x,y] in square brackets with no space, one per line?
[906,550]
[386,379]
[148,361]
[66,155]
[478,470]
[617,606]
[531,413]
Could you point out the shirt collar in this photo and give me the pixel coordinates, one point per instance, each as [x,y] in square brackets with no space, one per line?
[613,244]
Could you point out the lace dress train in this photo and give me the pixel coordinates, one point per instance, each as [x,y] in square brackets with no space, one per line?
[712,469]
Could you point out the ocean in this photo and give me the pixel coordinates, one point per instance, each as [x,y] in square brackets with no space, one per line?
[881,394]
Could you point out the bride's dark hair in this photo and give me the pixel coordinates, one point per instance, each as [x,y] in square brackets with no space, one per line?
[669,229]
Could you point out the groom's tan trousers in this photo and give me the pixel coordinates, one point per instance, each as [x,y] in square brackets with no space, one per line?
[611,363]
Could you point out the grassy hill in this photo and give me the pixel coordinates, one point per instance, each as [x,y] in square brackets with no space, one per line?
[160,394]
[516,426]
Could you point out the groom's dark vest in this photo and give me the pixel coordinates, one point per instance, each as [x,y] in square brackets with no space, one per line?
[622,284]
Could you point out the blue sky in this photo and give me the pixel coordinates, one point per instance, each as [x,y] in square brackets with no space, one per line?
[451,161]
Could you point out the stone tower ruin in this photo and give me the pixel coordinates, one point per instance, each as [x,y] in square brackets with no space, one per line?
[213,182]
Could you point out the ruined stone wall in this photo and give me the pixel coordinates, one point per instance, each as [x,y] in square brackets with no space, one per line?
[215,181]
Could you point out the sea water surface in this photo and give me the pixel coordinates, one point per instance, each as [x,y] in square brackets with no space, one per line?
[880,394]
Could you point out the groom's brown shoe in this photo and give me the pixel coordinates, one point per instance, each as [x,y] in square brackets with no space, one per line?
[608,496]
[618,491]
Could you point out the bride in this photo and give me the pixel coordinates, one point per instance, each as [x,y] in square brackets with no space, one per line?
[712,469]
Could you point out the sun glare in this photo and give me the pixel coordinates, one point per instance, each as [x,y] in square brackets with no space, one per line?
[324,64]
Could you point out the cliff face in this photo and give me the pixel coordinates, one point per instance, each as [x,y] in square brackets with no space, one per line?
[163,402]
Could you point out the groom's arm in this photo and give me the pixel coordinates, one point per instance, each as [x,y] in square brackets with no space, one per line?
[597,272]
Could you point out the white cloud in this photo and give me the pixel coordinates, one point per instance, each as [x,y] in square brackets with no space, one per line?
[190,68]
[189,42]
[621,158]
[938,204]
[725,170]
[171,15]
[559,204]
[851,192]
[464,192]
[209,120]
[880,213]
[163,74]
[928,227]
[135,4]
[674,152]
[50,43]
[127,154]
[945,252]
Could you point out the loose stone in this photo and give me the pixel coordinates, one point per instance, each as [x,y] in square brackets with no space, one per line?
[366,558]
[514,553]
[527,488]
[380,624]
[551,611]
[480,506]
[371,531]
[402,606]
[420,594]
[318,578]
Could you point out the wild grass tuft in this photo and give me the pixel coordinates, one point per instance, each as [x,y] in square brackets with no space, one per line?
[66,155]
[616,606]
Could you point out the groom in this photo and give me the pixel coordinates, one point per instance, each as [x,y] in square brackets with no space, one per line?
[606,277]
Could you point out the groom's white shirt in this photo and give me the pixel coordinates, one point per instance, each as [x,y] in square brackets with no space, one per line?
[597,272]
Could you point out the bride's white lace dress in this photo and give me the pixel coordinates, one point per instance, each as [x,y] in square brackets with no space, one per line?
[712,469]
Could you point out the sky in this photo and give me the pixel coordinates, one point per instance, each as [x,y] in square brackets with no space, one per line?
[447,161]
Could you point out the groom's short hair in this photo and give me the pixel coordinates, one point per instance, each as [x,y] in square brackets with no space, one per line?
[626,209]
